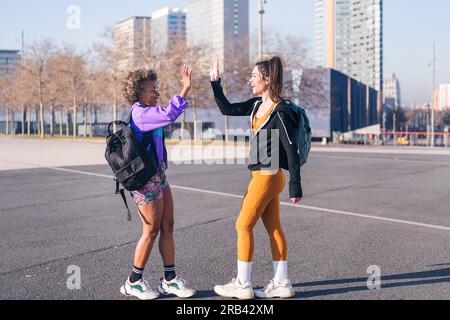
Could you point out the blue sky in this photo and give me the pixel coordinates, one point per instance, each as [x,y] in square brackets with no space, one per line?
[410,26]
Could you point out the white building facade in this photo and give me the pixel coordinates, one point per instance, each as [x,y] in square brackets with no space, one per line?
[349,38]
[7,60]
[221,27]
[168,29]
[132,39]
[444,97]
[392,90]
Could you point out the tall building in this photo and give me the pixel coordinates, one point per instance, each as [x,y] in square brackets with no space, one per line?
[132,40]
[7,60]
[349,38]
[221,27]
[168,28]
[343,104]
[392,91]
[444,96]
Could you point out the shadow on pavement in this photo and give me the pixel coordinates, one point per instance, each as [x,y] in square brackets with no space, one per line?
[419,278]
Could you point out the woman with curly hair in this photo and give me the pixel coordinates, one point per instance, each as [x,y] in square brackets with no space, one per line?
[154,200]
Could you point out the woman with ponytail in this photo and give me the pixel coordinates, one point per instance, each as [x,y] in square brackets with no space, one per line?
[272,148]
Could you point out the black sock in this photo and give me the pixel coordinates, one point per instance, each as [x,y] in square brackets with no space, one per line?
[136,274]
[169,273]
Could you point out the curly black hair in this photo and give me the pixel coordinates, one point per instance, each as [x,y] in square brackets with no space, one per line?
[134,83]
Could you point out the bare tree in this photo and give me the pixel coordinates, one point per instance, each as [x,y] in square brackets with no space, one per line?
[73,69]
[55,87]
[93,93]
[167,63]
[109,75]
[23,92]
[36,64]
[5,97]
[303,83]
[236,75]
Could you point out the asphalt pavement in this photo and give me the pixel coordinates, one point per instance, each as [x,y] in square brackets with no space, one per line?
[360,209]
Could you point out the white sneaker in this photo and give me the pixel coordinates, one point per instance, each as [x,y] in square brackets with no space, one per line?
[235,289]
[140,289]
[177,286]
[276,290]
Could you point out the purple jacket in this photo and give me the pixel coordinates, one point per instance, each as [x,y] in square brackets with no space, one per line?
[150,118]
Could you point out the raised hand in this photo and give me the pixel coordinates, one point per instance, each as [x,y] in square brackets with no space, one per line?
[214,71]
[186,78]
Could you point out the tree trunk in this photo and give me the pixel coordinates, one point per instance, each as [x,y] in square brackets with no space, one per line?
[52,119]
[226,129]
[194,113]
[114,107]
[90,121]
[41,109]
[75,118]
[13,129]
[85,121]
[23,120]
[29,121]
[61,121]
[183,122]
[7,121]
[38,125]
[41,120]
[67,122]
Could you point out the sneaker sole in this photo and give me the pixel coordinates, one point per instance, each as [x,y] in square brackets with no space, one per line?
[285,296]
[239,298]
[161,290]
[124,293]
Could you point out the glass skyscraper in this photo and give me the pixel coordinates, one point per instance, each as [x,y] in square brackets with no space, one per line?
[168,28]
[221,27]
[349,38]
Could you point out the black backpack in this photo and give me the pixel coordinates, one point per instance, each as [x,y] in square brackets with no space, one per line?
[304,133]
[131,166]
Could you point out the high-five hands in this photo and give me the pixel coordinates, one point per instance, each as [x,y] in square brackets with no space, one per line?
[214,72]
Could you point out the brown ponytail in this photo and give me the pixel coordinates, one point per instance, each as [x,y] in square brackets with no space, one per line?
[273,70]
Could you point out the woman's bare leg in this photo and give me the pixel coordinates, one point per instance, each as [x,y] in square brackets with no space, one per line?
[166,239]
[151,216]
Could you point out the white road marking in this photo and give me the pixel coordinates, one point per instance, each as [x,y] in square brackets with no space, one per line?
[384,159]
[331,211]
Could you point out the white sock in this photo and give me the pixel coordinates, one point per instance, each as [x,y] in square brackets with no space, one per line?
[244,271]
[280,269]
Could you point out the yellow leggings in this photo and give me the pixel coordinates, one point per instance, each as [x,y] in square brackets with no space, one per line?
[262,200]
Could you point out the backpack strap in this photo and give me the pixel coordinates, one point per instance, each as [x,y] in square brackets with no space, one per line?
[121,191]
[129,116]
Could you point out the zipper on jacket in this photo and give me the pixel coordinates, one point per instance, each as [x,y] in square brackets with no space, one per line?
[285,130]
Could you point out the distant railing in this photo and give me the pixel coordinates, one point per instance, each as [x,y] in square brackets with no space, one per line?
[416,138]
[397,138]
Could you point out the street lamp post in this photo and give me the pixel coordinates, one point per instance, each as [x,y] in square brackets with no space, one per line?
[260,33]
[433,100]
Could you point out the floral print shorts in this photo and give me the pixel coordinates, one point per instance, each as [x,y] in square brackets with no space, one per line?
[153,190]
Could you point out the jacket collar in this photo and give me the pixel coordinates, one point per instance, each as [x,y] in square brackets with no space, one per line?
[255,107]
